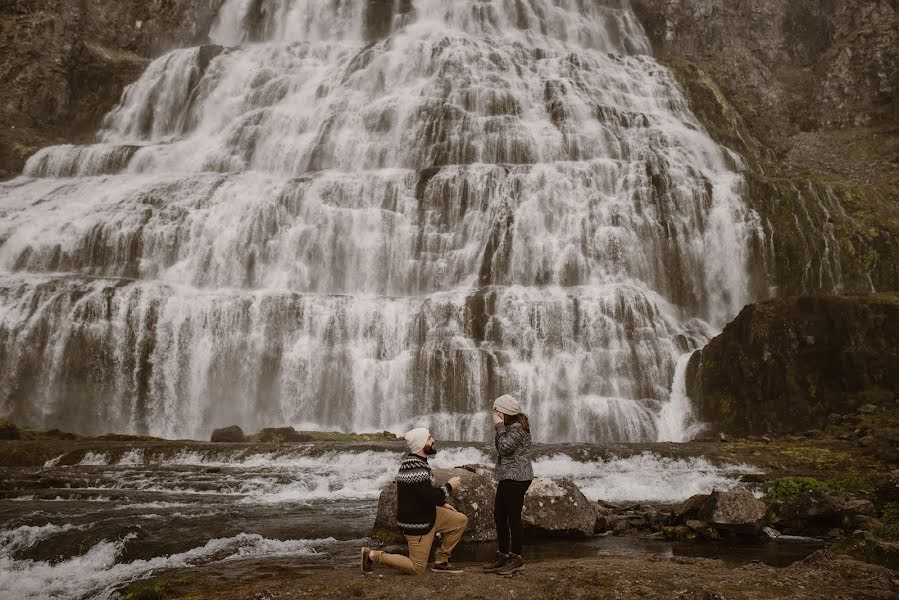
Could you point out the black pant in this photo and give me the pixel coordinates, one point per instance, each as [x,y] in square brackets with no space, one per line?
[507,513]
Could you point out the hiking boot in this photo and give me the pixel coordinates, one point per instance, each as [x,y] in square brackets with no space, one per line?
[368,565]
[446,568]
[498,563]
[513,565]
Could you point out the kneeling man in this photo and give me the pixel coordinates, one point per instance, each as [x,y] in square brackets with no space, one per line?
[422,511]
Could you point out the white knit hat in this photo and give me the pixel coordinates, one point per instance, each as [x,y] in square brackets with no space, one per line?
[507,405]
[416,439]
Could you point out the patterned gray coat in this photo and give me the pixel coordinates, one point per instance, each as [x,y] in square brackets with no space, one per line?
[513,453]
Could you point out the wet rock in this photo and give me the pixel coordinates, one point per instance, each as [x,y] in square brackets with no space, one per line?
[689,508]
[861,534]
[866,441]
[8,431]
[228,434]
[813,509]
[867,409]
[758,378]
[552,507]
[680,533]
[737,510]
[835,534]
[771,533]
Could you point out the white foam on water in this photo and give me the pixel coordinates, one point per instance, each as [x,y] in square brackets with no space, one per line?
[456,457]
[96,574]
[95,459]
[643,477]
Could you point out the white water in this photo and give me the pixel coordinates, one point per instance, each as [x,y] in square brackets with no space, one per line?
[96,574]
[645,477]
[362,475]
[216,488]
[490,197]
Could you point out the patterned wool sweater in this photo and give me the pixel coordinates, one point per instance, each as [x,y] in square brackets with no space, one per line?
[417,497]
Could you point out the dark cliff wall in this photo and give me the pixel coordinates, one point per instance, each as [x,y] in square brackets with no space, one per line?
[786,365]
[806,92]
[64,63]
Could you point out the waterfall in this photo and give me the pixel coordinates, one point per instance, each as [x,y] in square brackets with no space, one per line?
[369,214]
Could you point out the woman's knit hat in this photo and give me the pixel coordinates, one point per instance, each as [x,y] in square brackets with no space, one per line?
[416,439]
[507,405]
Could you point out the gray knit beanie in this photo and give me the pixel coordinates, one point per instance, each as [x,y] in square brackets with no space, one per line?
[507,405]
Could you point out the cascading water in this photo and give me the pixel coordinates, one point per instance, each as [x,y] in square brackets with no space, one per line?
[363,215]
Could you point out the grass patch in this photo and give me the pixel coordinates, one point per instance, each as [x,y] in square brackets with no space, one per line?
[851,482]
[151,589]
[336,436]
[790,486]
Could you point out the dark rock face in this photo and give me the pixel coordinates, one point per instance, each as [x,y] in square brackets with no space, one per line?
[816,512]
[806,92]
[228,434]
[552,507]
[784,366]
[65,64]
[810,63]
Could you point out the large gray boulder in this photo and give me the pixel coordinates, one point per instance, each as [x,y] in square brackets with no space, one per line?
[556,507]
[736,512]
[552,507]
[228,434]
[736,509]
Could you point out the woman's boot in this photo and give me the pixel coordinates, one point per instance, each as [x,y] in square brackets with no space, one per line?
[514,564]
[498,563]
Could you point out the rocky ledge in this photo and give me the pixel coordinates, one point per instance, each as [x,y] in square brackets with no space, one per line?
[788,366]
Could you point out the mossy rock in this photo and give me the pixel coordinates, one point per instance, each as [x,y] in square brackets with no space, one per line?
[151,589]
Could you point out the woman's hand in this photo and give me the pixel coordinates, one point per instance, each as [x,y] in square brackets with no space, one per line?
[455,482]
[497,417]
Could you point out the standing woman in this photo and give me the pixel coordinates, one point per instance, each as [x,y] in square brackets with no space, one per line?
[513,474]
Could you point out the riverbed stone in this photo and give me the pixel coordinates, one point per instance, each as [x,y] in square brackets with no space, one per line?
[228,434]
[552,507]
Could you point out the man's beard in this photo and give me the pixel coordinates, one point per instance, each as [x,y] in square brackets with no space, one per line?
[431,449]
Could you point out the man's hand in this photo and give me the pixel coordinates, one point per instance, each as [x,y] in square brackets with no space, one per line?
[455,482]
[497,417]
[449,506]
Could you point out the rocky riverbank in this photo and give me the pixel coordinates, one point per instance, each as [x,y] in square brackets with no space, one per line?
[822,575]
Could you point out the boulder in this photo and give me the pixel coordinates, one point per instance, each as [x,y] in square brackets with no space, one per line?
[557,507]
[736,510]
[689,508]
[813,505]
[760,376]
[228,434]
[552,507]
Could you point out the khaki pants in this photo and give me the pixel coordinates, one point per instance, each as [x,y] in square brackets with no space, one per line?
[450,523]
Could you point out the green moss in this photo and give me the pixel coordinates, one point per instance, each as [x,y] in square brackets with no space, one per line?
[722,120]
[335,436]
[152,589]
[790,486]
